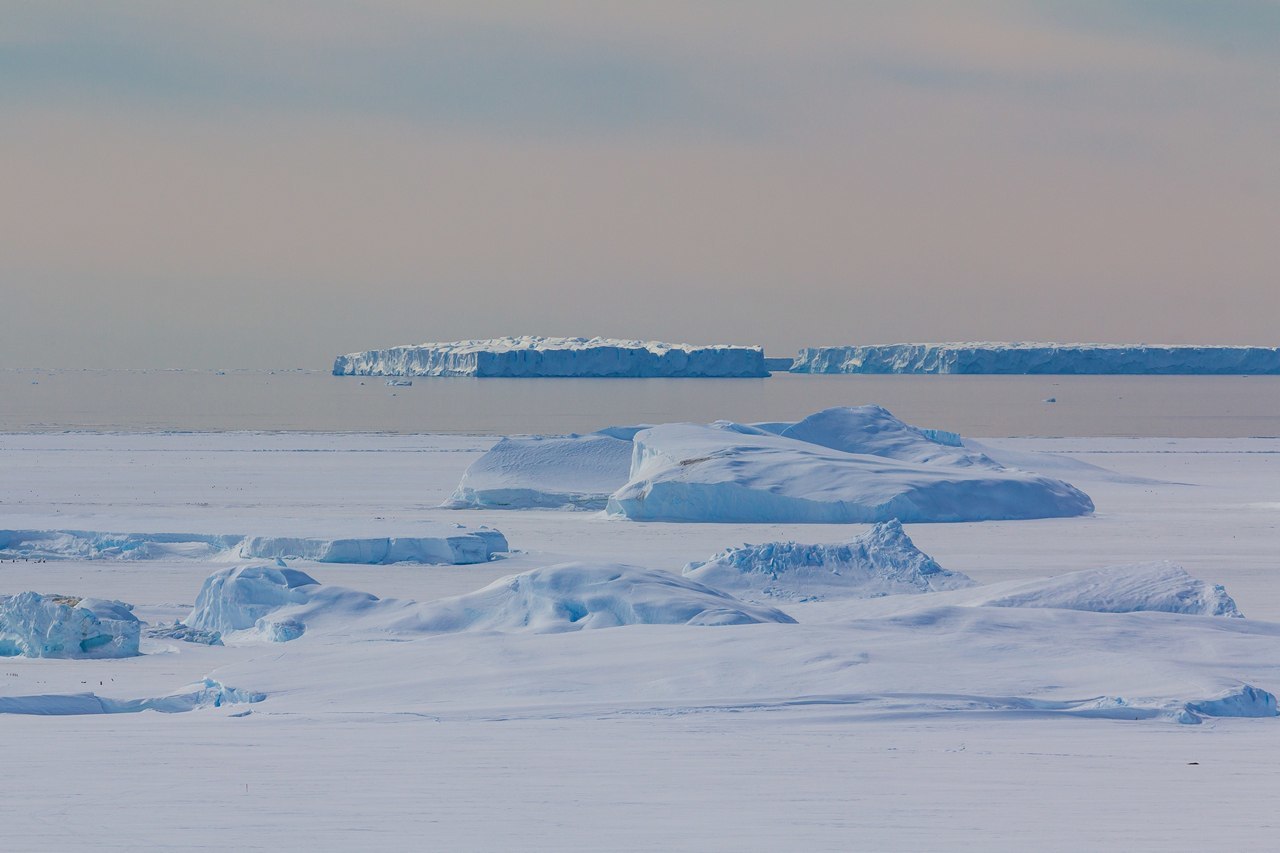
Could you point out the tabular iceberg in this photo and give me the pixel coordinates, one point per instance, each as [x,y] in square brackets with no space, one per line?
[573,471]
[455,545]
[1039,358]
[538,356]
[882,561]
[58,626]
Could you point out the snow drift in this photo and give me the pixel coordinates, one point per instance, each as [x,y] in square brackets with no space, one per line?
[540,356]
[1162,587]
[458,546]
[263,602]
[731,473]
[883,561]
[1041,358]
[575,471]
[873,430]
[58,626]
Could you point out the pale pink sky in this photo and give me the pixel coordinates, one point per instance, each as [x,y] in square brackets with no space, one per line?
[248,184]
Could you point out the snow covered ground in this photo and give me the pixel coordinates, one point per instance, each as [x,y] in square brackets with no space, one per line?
[901,722]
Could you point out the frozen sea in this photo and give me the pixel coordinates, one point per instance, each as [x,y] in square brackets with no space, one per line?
[315,401]
[869,725]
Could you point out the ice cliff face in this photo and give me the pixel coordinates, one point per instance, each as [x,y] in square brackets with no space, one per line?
[58,626]
[538,356]
[1039,358]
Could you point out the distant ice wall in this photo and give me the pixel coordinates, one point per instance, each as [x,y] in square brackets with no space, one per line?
[1039,358]
[539,356]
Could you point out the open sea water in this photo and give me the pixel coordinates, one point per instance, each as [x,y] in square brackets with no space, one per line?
[314,401]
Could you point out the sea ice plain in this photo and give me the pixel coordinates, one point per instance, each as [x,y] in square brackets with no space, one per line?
[922,710]
[534,356]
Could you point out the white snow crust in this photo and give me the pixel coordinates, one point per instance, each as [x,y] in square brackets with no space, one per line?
[1039,358]
[882,561]
[58,626]
[531,356]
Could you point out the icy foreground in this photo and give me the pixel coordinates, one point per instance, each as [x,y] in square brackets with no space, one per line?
[846,464]
[263,602]
[1039,358]
[458,546]
[883,561]
[539,356]
[58,626]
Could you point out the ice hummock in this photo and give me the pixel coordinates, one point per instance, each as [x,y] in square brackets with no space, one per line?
[265,602]
[455,545]
[883,561]
[1039,358]
[531,356]
[58,626]
[728,472]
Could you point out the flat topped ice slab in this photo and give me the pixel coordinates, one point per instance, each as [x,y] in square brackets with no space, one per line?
[450,545]
[532,356]
[1039,358]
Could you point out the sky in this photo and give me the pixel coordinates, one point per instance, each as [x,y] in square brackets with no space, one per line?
[249,184]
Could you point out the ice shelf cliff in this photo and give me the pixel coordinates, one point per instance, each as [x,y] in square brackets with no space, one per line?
[538,356]
[1039,358]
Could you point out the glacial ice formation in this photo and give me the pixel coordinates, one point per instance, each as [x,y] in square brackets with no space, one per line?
[1039,358]
[882,561]
[457,546]
[578,471]
[845,464]
[541,356]
[206,693]
[730,473]
[58,626]
[267,603]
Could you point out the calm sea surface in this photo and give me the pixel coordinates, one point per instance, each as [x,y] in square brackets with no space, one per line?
[189,400]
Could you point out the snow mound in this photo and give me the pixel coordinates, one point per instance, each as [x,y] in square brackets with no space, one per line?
[732,473]
[875,431]
[575,471]
[883,561]
[540,356]
[58,626]
[459,547]
[577,596]
[1162,586]
[252,603]
[1039,358]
